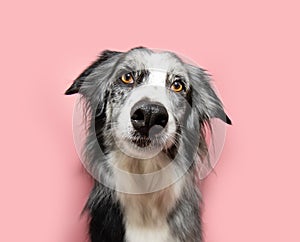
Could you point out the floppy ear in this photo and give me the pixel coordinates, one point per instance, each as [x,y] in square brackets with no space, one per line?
[204,97]
[78,83]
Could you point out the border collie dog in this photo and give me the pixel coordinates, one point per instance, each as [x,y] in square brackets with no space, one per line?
[147,114]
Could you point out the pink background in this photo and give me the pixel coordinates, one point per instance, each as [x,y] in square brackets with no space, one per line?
[250,47]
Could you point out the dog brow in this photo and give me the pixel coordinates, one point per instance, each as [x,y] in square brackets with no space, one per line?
[141,75]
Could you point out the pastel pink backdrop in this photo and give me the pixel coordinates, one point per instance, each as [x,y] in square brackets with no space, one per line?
[250,47]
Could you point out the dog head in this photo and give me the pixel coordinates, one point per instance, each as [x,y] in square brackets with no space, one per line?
[142,102]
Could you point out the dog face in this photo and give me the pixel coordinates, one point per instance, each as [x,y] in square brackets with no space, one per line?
[140,101]
[148,102]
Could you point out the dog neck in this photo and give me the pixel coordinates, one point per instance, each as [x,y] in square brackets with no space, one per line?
[149,208]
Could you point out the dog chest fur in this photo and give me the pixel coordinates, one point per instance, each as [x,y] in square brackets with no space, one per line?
[145,215]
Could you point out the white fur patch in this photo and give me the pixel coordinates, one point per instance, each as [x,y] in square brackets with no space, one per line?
[157,78]
[158,234]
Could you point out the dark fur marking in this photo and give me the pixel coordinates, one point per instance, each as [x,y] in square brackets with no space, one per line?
[141,76]
[100,120]
[106,224]
[172,151]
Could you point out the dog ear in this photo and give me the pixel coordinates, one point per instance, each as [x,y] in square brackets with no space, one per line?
[204,97]
[214,105]
[78,83]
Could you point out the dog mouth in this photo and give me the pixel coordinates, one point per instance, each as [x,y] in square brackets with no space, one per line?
[144,141]
[141,142]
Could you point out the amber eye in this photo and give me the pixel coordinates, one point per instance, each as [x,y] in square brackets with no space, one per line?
[177,86]
[127,78]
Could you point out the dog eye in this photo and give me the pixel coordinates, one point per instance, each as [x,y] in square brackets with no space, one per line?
[177,86]
[127,78]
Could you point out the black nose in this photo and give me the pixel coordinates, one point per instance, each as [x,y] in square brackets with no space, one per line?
[148,116]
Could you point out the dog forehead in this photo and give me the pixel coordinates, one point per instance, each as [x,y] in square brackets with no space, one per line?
[157,77]
[163,61]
